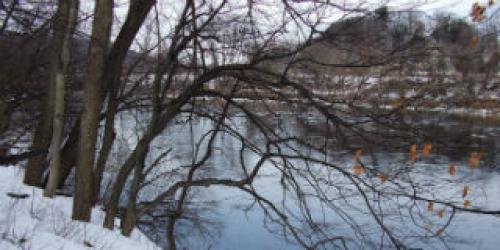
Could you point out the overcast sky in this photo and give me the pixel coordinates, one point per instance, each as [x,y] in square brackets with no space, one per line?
[460,7]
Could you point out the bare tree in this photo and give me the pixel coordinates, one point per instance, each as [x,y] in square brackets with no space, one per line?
[249,70]
[25,45]
[99,43]
[67,17]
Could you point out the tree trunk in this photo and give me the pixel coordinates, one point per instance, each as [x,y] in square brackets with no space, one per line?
[70,152]
[55,151]
[36,166]
[156,126]
[137,13]
[68,26]
[130,219]
[101,30]
[112,206]
[107,143]
[4,117]
[170,233]
[4,124]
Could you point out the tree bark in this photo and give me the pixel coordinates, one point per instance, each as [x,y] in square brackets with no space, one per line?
[128,223]
[70,152]
[101,31]
[171,233]
[112,206]
[36,166]
[68,26]
[55,151]
[4,117]
[107,143]
[137,13]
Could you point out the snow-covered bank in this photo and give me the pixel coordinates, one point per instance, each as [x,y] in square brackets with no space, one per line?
[485,113]
[36,222]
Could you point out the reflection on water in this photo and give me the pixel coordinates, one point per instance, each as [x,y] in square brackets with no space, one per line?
[227,218]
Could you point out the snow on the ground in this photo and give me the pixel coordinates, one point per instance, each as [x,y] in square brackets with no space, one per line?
[37,222]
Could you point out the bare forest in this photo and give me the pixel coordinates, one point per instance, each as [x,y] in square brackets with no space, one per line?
[342,124]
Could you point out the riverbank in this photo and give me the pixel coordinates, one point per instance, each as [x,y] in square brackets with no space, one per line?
[31,221]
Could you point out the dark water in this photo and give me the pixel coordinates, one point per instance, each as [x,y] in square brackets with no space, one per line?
[219,217]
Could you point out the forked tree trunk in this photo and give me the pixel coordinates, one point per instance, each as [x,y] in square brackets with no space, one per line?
[101,31]
[67,27]
[137,13]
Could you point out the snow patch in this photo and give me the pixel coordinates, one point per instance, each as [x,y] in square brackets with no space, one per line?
[37,222]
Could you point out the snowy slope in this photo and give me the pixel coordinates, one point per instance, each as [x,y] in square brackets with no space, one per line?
[42,223]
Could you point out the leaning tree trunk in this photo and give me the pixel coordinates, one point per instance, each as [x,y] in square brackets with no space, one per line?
[156,126]
[136,15]
[67,26]
[130,218]
[107,143]
[101,31]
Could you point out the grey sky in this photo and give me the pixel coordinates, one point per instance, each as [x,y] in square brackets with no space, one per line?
[460,7]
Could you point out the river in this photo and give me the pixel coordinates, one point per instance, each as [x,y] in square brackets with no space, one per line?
[220,217]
